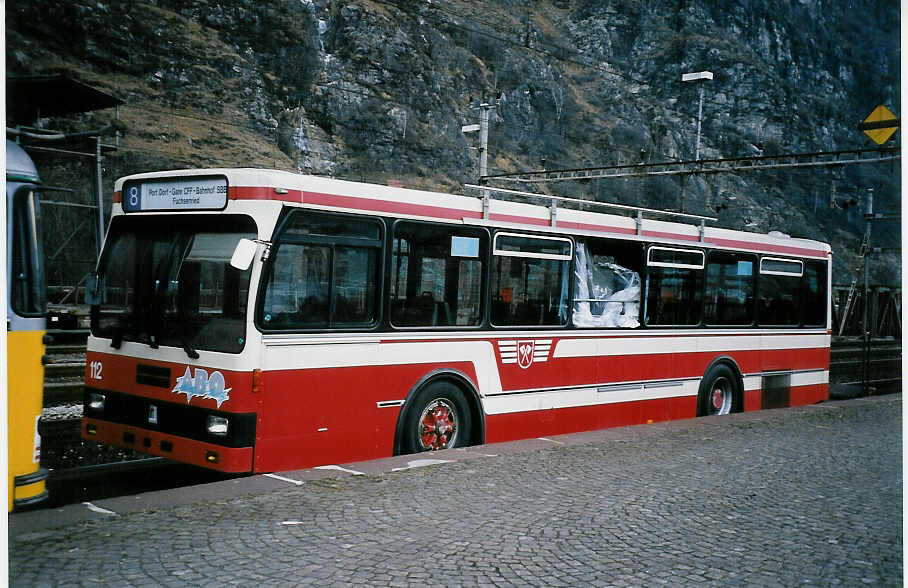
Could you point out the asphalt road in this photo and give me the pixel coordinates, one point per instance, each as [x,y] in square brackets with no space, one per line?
[810,495]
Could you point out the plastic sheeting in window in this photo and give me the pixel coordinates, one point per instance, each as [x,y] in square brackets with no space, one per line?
[605,294]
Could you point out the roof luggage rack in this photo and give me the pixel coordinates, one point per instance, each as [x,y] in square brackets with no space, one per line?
[638,212]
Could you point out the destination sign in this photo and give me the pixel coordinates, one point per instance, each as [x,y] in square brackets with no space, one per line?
[200,193]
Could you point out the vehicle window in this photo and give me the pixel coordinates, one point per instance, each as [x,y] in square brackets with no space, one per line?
[607,283]
[324,273]
[781,267]
[167,280]
[436,275]
[778,289]
[729,298]
[813,293]
[677,258]
[674,286]
[530,280]
[27,287]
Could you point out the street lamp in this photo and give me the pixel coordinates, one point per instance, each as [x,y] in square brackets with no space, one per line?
[699,77]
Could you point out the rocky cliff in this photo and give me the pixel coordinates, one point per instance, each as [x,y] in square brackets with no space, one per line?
[378,91]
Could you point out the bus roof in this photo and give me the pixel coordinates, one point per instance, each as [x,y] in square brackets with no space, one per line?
[376,199]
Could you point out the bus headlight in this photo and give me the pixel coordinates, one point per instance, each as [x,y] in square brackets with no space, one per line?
[217,425]
[96,401]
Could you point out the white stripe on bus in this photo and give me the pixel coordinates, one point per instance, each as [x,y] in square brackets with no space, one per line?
[684,344]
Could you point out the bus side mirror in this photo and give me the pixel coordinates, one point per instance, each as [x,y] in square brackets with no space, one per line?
[92,290]
[243,254]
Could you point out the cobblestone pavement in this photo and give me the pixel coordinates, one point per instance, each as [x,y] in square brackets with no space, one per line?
[781,497]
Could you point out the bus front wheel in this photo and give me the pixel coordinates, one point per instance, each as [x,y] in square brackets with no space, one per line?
[718,392]
[438,418]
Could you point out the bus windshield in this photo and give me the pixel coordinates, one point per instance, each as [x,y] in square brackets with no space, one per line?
[166,280]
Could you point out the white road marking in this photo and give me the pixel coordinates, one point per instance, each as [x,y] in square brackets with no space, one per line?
[421,463]
[550,440]
[98,509]
[283,479]
[340,469]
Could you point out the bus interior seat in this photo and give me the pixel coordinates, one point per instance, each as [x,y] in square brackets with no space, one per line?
[344,312]
[501,312]
[313,309]
[529,313]
[443,314]
[420,310]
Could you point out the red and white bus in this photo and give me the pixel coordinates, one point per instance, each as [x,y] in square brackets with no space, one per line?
[251,320]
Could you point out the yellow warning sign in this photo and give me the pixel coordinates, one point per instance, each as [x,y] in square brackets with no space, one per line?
[880,125]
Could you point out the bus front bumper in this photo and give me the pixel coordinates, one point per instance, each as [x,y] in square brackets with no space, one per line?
[199,453]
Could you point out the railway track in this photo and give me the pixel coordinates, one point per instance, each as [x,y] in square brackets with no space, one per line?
[885,360]
[64,366]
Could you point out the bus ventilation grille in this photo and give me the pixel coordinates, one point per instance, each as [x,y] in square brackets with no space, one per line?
[151,375]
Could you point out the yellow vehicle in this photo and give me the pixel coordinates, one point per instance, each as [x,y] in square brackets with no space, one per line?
[25,324]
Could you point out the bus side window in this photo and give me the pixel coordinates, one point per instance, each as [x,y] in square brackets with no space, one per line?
[436,275]
[297,293]
[530,280]
[674,289]
[778,287]
[729,296]
[607,283]
[813,294]
[324,273]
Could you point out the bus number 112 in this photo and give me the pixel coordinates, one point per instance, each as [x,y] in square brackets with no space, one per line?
[95,368]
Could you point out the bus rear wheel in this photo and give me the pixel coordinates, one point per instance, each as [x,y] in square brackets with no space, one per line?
[718,392]
[438,418]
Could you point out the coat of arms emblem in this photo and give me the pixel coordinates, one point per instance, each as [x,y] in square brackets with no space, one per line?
[525,352]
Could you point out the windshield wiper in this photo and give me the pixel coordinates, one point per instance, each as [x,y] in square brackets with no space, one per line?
[116,339]
[187,345]
[118,330]
[192,353]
